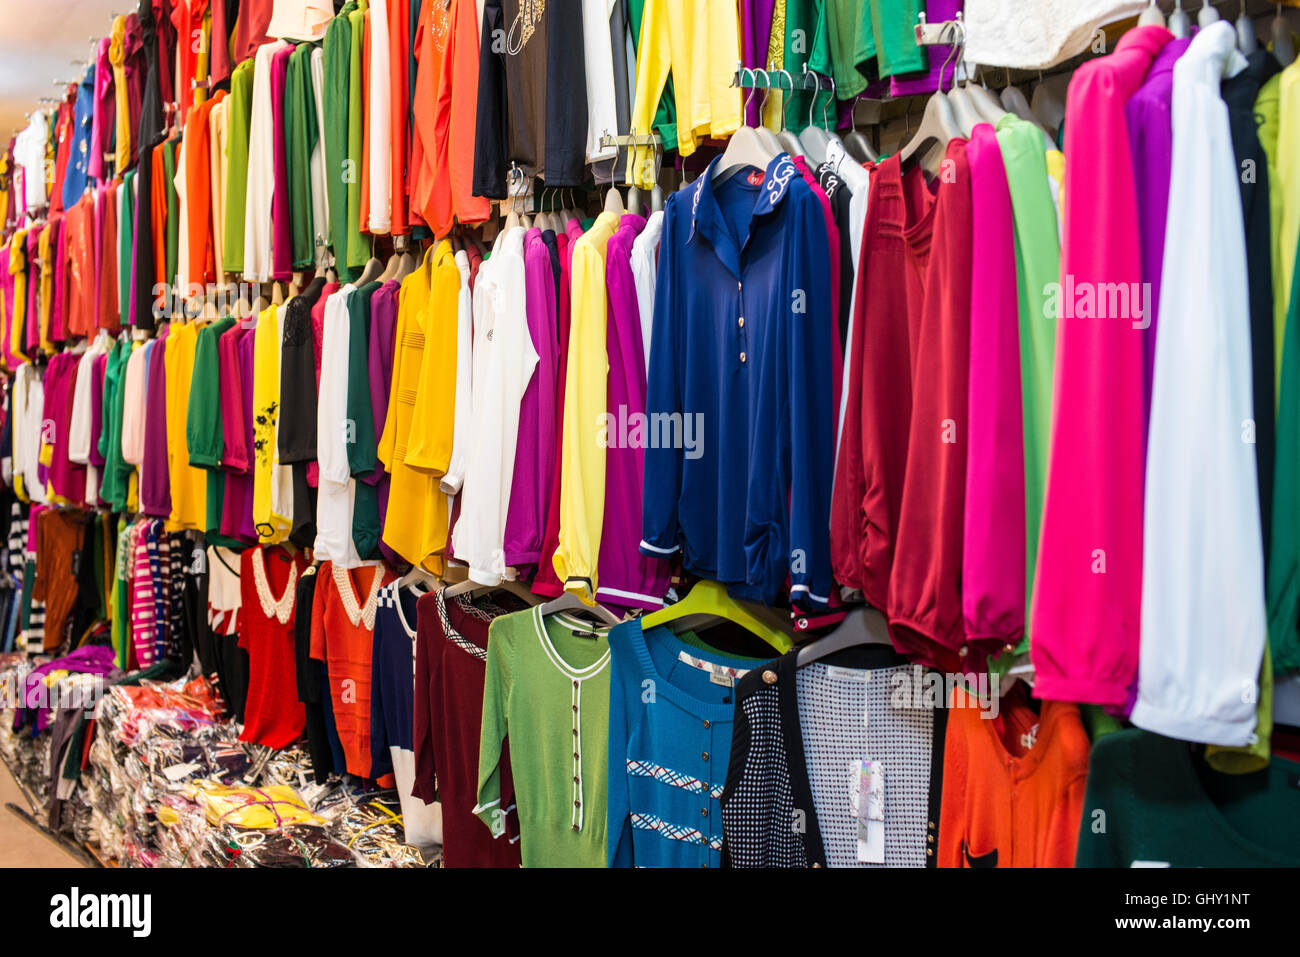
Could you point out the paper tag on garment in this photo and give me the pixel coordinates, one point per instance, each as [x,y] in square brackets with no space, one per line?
[847,674]
[718,674]
[871,812]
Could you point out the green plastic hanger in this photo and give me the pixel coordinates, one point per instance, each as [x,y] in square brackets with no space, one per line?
[709,599]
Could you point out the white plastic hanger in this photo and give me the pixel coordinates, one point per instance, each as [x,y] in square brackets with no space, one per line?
[786,138]
[938,126]
[570,602]
[1207,15]
[1283,47]
[746,149]
[1151,16]
[1247,41]
[1180,25]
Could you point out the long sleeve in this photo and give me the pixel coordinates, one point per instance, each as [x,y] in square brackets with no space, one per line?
[654,59]
[618,810]
[331,411]
[993,537]
[1203,612]
[433,426]
[496,710]
[460,441]
[582,481]
[1086,608]
[663,460]
[794,424]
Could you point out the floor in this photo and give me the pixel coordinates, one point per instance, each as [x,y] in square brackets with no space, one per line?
[22,845]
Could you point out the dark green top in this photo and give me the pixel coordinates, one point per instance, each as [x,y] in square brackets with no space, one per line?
[300,135]
[125,232]
[1152,801]
[338,55]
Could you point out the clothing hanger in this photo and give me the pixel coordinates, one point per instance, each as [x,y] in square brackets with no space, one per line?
[418,576]
[985,102]
[856,143]
[512,218]
[1151,16]
[862,626]
[708,599]
[614,201]
[938,126]
[1047,107]
[571,602]
[746,149]
[963,106]
[786,139]
[390,270]
[815,139]
[1207,15]
[767,136]
[1283,46]
[1180,25]
[657,192]
[372,272]
[1247,41]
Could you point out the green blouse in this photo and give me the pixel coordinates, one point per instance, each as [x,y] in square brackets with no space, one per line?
[547,688]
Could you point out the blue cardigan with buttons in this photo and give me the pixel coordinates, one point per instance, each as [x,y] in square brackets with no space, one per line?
[670,719]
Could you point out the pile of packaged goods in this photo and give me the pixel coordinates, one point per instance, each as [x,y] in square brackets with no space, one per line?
[155,776]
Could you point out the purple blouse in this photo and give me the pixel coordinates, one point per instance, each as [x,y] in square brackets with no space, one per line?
[379,366]
[281,241]
[530,487]
[1151,143]
[155,484]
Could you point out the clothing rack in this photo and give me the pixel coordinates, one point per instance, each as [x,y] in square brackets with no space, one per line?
[754,78]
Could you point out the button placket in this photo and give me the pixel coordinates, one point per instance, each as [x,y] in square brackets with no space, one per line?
[575,812]
[740,322]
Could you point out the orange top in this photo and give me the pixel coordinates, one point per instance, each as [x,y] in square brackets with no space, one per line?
[158,214]
[202,265]
[345,646]
[454,118]
[79,224]
[430,44]
[1013,784]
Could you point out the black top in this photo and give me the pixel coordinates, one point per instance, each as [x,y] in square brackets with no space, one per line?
[1239,93]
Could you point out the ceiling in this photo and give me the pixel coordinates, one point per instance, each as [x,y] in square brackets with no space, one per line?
[39,39]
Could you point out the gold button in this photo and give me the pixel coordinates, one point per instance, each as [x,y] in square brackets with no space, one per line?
[930,838]
[742,357]
[741,322]
[931,825]
[1008,648]
[705,755]
[963,651]
[929,852]
[704,812]
[815,864]
[769,677]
